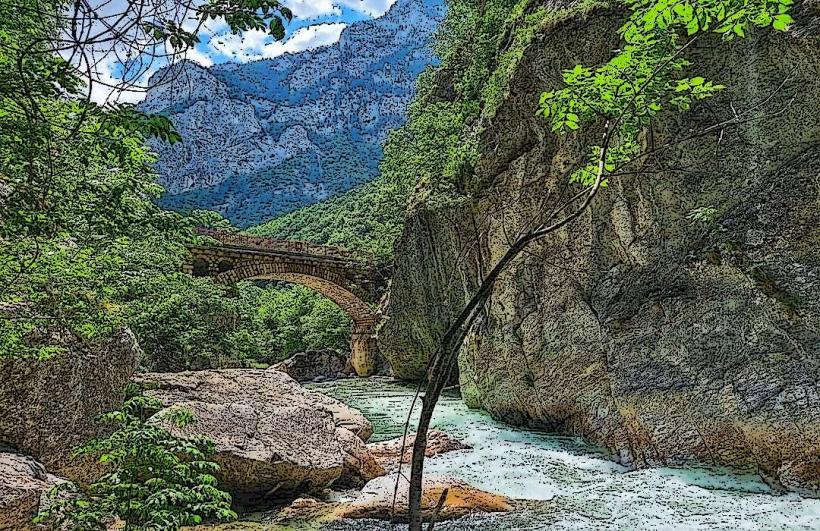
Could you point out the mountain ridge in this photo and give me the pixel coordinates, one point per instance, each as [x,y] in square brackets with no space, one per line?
[267,137]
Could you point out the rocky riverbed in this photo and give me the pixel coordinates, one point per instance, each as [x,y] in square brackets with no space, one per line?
[551,482]
[325,455]
[274,441]
[564,483]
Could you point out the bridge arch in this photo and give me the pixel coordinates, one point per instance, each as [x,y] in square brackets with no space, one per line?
[199,268]
[331,285]
[321,280]
[345,277]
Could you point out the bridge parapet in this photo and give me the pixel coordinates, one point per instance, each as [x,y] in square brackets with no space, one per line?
[265,243]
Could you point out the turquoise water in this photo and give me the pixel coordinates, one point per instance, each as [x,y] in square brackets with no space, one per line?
[573,485]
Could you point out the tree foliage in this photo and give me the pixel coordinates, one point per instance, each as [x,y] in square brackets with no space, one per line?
[368,218]
[76,194]
[188,323]
[154,479]
[647,76]
[301,320]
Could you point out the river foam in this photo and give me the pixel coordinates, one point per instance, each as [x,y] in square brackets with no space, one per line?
[577,485]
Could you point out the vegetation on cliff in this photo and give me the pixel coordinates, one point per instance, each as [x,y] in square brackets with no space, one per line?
[368,218]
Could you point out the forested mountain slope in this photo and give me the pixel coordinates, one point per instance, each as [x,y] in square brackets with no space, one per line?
[267,137]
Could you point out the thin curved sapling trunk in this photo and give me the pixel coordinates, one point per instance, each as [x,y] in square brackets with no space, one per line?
[443,362]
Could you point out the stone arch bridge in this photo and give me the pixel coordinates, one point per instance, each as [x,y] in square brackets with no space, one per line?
[349,279]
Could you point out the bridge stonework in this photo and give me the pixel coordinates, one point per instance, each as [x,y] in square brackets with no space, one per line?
[346,278]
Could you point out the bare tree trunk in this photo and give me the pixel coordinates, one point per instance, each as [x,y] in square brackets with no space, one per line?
[444,360]
[441,370]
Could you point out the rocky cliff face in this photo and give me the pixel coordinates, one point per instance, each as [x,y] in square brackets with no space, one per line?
[658,336]
[48,407]
[264,138]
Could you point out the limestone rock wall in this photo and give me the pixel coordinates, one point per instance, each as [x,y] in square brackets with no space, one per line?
[48,407]
[662,338]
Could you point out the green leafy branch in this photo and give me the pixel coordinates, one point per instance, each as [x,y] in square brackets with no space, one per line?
[240,15]
[155,480]
[646,77]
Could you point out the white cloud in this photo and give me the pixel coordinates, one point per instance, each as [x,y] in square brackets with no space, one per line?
[373,8]
[218,41]
[253,45]
[306,39]
[312,8]
[242,48]
[200,58]
[319,8]
[208,28]
[215,26]
[105,79]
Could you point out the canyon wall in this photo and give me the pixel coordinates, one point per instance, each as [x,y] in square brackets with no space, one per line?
[658,333]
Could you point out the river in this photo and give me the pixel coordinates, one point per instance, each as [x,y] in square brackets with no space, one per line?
[572,485]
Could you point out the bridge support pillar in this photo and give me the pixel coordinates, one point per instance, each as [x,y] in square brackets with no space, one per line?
[363,348]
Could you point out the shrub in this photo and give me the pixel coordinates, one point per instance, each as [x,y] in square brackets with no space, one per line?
[155,480]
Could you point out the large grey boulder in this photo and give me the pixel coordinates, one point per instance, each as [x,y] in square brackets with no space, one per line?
[272,436]
[24,485]
[324,364]
[47,407]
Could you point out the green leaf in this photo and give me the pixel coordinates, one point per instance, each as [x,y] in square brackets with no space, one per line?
[277,29]
[739,31]
[692,27]
[782,22]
